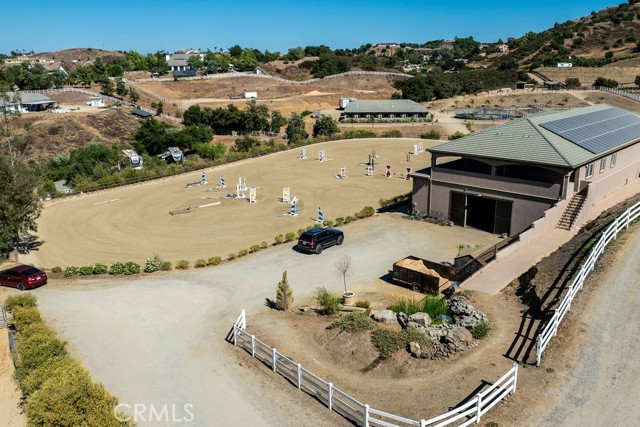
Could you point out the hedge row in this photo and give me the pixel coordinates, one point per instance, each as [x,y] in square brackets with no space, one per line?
[155,263]
[56,389]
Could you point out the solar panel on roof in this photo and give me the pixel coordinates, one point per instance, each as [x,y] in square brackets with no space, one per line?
[597,131]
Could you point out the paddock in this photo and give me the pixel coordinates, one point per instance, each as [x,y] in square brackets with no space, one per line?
[133,223]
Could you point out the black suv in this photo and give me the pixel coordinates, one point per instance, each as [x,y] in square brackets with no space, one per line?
[316,239]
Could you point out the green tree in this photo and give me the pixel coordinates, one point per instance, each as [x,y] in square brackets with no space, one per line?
[637,80]
[295,128]
[152,136]
[133,95]
[121,89]
[277,121]
[256,116]
[195,62]
[284,293]
[19,206]
[325,126]
[84,75]
[572,82]
[159,109]
[295,53]
[106,87]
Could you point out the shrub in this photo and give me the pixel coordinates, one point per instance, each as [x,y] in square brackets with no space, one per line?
[131,268]
[480,330]
[353,322]
[54,367]
[100,268]
[36,350]
[116,268]
[23,300]
[367,211]
[56,269]
[284,293]
[456,135]
[70,271]
[25,316]
[328,223]
[166,266]
[290,236]
[278,239]
[348,219]
[339,220]
[242,252]
[388,342]
[254,248]
[363,304]
[264,245]
[309,227]
[430,134]
[328,303]
[392,134]
[297,233]
[214,260]
[86,270]
[231,257]
[153,264]
[183,264]
[200,263]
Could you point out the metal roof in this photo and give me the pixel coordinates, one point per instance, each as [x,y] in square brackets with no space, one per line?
[30,98]
[526,140]
[141,113]
[378,106]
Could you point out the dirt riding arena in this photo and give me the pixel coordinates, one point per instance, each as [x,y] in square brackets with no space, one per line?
[133,223]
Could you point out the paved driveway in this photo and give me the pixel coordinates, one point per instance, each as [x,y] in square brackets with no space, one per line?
[159,339]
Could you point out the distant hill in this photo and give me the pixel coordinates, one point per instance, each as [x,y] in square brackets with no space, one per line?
[595,40]
[81,55]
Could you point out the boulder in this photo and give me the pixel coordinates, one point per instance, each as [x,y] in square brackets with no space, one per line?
[459,336]
[403,319]
[422,319]
[384,316]
[415,349]
[413,325]
[444,318]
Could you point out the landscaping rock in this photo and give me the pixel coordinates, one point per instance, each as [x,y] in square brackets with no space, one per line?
[459,336]
[415,349]
[403,319]
[384,316]
[413,325]
[444,318]
[422,319]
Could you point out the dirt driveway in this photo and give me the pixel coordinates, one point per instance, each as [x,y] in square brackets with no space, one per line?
[160,339]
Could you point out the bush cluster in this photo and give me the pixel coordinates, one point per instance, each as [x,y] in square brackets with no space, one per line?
[328,303]
[57,390]
[394,200]
[153,264]
[433,305]
[388,342]
[480,330]
[353,322]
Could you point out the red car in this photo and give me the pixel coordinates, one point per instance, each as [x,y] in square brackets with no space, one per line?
[23,277]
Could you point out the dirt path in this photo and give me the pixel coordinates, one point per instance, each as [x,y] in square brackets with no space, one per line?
[9,395]
[603,387]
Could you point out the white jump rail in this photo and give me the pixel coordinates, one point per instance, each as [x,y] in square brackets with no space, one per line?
[4,317]
[359,413]
[611,233]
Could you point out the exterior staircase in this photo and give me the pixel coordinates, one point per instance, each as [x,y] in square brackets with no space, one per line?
[568,219]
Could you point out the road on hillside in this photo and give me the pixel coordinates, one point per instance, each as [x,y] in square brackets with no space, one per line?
[159,339]
[604,387]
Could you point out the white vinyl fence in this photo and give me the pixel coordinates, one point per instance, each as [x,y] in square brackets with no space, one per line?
[4,317]
[551,329]
[357,412]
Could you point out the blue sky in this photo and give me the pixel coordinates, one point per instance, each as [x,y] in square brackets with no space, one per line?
[148,26]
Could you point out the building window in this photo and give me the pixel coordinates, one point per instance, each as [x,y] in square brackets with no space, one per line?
[613,159]
[589,173]
[603,164]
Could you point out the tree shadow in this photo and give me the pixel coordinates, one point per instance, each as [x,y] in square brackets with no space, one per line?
[28,243]
[268,302]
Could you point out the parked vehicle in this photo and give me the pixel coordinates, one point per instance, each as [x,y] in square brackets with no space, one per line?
[23,277]
[317,239]
[422,275]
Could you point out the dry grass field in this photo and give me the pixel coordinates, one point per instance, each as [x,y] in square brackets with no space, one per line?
[133,223]
[625,75]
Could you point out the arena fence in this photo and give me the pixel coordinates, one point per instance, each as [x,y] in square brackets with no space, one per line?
[611,233]
[4,317]
[360,413]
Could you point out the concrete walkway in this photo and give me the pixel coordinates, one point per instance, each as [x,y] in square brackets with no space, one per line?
[498,274]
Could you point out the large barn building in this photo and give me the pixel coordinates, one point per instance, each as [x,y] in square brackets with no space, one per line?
[506,177]
[384,109]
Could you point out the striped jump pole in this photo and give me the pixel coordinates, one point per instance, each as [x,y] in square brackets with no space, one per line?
[320,219]
[203,179]
[222,183]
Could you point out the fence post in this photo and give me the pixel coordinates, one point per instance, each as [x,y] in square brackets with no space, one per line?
[299,376]
[274,359]
[330,397]
[253,346]
[366,415]
[478,407]
[515,377]
[235,335]
[615,230]
[538,352]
